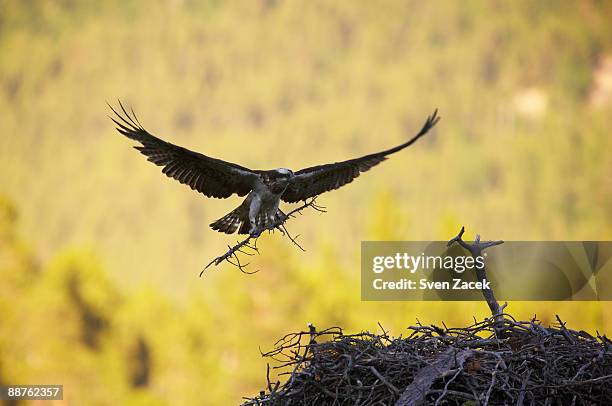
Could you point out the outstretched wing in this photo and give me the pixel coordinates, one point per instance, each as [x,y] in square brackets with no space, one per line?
[313,181]
[209,176]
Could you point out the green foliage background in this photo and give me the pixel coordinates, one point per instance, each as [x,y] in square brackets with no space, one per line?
[99,253]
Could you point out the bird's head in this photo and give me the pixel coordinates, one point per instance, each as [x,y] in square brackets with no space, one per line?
[285,173]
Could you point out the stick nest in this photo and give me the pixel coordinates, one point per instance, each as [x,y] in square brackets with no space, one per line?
[528,364]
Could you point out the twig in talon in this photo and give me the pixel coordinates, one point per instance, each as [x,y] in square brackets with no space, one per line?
[242,247]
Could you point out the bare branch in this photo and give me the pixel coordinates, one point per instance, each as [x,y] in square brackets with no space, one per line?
[476,250]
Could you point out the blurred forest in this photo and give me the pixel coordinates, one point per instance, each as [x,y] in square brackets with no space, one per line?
[99,252]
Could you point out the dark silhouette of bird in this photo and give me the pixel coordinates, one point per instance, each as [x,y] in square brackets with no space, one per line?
[264,188]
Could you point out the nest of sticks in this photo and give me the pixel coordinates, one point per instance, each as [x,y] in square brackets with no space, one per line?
[493,362]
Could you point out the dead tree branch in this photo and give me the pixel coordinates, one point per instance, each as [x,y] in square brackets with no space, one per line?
[476,250]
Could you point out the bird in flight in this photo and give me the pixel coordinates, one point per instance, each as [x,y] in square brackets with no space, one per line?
[264,189]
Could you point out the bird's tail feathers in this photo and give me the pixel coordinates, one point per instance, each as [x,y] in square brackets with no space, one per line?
[230,222]
[238,219]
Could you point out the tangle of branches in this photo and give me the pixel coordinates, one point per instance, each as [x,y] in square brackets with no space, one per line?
[435,365]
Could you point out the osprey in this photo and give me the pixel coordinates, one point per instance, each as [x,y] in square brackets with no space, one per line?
[264,188]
